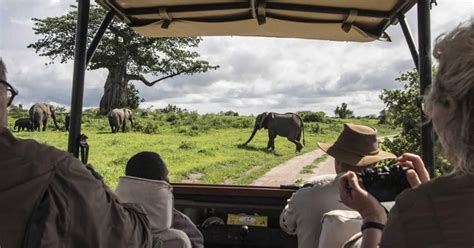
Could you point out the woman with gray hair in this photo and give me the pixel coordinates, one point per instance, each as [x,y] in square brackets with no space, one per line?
[438,212]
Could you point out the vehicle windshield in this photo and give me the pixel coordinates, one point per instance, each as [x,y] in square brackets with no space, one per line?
[207,122]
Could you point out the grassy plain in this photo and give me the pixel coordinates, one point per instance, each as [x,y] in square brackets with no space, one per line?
[206,148]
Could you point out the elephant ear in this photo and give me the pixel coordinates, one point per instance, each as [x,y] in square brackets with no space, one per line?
[262,119]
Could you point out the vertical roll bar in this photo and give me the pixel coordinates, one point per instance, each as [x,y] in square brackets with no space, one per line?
[424,48]
[78,76]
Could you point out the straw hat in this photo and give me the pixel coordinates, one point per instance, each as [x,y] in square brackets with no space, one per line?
[357,145]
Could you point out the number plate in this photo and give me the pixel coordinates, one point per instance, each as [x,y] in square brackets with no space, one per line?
[247,220]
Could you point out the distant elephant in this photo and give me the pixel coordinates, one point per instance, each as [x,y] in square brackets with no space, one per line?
[288,125]
[39,114]
[118,119]
[67,120]
[24,123]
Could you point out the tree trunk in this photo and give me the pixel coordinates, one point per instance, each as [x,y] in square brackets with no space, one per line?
[115,90]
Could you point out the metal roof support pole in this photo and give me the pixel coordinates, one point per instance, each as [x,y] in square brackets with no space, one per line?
[409,38]
[424,48]
[78,75]
[98,36]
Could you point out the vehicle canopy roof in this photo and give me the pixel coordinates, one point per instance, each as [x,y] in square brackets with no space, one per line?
[338,20]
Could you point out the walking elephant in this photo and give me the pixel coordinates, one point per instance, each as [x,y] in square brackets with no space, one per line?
[39,114]
[288,125]
[118,119]
[24,123]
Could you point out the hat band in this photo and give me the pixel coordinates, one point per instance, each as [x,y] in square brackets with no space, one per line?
[358,153]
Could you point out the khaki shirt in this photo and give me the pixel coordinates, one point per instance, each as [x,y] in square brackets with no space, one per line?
[436,214]
[303,213]
[82,211]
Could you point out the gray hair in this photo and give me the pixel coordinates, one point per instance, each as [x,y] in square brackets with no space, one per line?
[3,70]
[455,79]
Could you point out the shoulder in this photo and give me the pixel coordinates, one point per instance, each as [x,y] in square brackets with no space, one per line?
[320,181]
[37,156]
[436,189]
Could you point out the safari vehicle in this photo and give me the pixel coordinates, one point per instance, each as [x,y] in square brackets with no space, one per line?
[213,207]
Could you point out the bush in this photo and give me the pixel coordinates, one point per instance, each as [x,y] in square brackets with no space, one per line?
[308,116]
[314,128]
[186,145]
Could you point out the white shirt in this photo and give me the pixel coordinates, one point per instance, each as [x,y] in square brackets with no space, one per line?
[302,215]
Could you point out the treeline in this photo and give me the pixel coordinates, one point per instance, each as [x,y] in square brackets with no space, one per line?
[181,120]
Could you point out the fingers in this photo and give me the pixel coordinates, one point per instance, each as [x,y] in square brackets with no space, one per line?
[344,190]
[415,162]
[353,181]
[413,178]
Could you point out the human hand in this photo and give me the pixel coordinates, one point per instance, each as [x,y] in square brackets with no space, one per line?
[418,173]
[356,197]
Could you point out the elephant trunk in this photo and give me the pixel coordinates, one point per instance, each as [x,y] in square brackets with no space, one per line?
[54,121]
[251,136]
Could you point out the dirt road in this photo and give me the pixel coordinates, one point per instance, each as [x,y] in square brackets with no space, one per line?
[293,170]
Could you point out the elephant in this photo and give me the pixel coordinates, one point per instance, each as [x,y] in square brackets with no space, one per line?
[24,123]
[39,114]
[118,119]
[289,125]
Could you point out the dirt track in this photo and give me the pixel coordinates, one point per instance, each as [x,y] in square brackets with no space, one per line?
[291,171]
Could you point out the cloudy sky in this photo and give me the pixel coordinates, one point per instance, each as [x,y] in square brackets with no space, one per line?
[255,74]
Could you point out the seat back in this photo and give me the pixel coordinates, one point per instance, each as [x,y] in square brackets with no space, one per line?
[157,199]
[154,195]
[338,226]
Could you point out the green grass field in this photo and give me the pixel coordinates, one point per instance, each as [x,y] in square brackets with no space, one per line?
[206,148]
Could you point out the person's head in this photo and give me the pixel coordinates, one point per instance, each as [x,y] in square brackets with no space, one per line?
[147,165]
[450,102]
[3,94]
[356,148]
[7,93]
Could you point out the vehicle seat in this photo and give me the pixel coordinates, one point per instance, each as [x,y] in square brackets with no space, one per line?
[157,199]
[338,226]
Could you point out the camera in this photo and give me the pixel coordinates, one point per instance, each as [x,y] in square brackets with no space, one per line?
[385,182]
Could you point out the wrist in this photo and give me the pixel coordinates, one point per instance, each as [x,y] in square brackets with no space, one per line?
[378,218]
[377,215]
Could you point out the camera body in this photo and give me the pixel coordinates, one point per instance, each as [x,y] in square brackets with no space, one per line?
[385,182]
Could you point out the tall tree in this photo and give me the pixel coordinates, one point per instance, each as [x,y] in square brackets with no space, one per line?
[343,111]
[126,55]
[404,112]
[401,106]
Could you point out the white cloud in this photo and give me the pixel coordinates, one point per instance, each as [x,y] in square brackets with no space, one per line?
[255,74]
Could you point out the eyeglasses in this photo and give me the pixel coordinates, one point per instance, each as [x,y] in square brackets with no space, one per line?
[11,92]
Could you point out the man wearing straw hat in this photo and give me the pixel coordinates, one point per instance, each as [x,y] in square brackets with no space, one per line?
[356,148]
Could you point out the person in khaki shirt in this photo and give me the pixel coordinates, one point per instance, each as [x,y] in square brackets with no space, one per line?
[439,212]
[356,148]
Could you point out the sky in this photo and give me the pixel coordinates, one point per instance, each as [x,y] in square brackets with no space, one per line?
[255,75]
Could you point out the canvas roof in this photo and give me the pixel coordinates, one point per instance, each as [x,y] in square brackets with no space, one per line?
[340,20]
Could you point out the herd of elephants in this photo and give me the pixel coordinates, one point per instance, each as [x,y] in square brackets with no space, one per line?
[289,125]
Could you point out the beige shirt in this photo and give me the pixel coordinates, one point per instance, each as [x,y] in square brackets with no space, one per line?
[303,213]
[436,214]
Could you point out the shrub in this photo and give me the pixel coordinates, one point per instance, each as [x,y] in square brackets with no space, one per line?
[308,116]
[314,128]
[186,145]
